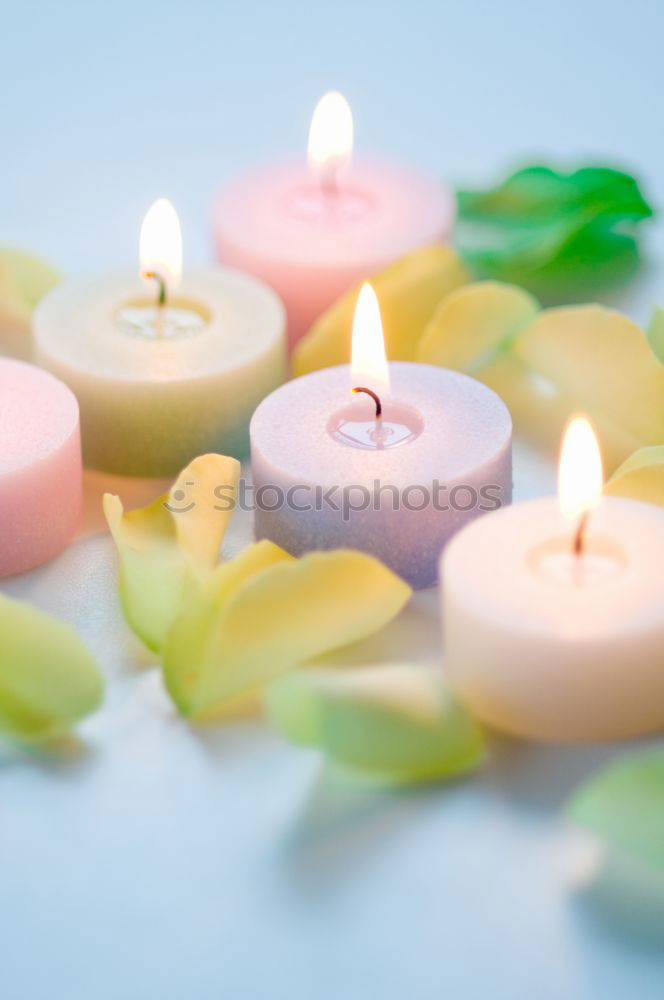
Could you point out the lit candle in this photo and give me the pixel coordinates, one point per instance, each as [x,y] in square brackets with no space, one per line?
[390,459]
[313,230]
[552,611]
[162,375]
[40,466]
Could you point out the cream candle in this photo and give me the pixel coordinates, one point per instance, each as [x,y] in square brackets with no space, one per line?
[394,469]
[313,231]
[163,376]
[40,466]
[552,612]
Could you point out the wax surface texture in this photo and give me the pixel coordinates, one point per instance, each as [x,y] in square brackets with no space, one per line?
[40,466]
[462,438]
[549,649]
[311,247]
[148,404]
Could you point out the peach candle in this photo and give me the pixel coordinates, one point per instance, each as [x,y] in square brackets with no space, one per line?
[552,612]
[40,466]
[312,232]
[164,375]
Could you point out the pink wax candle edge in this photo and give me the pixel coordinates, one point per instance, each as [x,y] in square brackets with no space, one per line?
[40,466]
[311,263]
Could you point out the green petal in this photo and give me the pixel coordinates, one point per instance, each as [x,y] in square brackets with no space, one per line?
[553,232]
[24,279]
[168,547]
[292,705]
[48,678]
[265,613]
[408,291]
[640,477]
[32,276]
[624,806]
[397,721]
[540,193]
[575,272]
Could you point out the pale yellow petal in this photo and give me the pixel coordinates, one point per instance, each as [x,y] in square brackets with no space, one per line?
[265,613]
[408,292]
[167,548]
[600,362]
[640,477]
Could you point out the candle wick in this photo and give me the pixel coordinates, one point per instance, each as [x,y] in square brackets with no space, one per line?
[374,396]
[580,534]
[329,183]
[161,285]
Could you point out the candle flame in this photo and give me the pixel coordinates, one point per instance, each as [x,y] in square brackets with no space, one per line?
[330,137]
[369,363]
[160,245]
[580,476]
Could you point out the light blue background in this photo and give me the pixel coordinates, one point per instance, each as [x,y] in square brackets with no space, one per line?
[161,863]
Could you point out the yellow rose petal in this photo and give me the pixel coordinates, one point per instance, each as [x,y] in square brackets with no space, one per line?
[475,325]
[265,613]
[169,546]
[599,362]
[408,291]
[640,477]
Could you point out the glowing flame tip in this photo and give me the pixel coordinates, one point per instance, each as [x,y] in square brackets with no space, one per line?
[330,136]
[160,245]
[580,475]
[369,363]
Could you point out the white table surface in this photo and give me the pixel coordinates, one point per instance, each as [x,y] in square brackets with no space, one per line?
[156,860]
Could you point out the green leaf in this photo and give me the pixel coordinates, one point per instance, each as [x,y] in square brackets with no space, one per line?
[395,721]
[265,613]
[554,233]
[593,259]
[48,678]
[167,548]
[624,806]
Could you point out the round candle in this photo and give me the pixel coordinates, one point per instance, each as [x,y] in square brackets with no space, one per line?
[327,473]
[555,632]
[313,232]
[162,376]
[40,466]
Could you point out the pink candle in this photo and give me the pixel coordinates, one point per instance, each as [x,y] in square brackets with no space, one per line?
[312,232]
[40,466]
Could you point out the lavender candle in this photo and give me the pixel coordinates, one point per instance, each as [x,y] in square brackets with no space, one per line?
[394,468]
